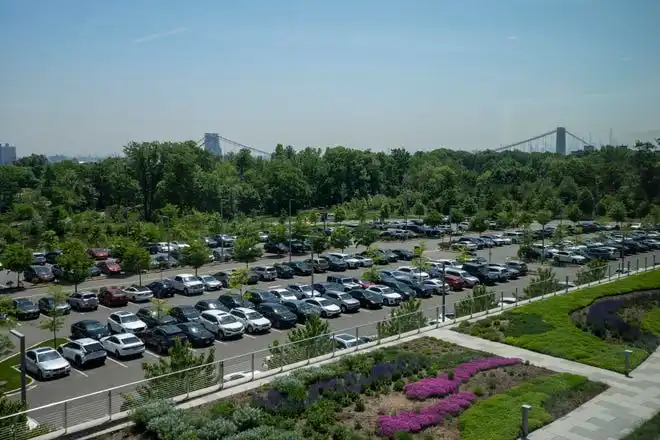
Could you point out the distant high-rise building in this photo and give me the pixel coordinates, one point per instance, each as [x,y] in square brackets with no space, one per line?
[212,143]
[7,154]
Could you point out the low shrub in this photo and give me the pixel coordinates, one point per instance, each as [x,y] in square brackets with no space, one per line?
[150,410]
[498,417]
[172,425]
[247,417]
[216,429]
[264,433]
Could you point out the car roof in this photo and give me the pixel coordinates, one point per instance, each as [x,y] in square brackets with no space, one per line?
[40,350]
[243,309]
[121,336]
[85,341]
[216,312]
[123,313]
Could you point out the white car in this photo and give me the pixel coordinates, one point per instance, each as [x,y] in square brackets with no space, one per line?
[45,363]
[364,261]
[438,286]
[138,293]
[83,352]
[447,263]
[125,322]
[222,324]
[507,300]
[187,284]
[504,240]
[325,307]
[283,293]
[390,297]
[352,263]
[253,321]
[123,345]
[307,290]
[568,257]
[414,272]
[240,375]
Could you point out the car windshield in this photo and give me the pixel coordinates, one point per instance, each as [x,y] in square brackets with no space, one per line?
[306,288]
[189,311]
[227,319]
[253,315]
[344,296]
[324,302]
[49,356]
[95,346]
[349,344]
[89,296]
[305,308]
[23,302]
[42,269]
[94,326]
[347,280]
[188,279]
[131,340]
[398,273]
[386,290]
[268,296]
[194,329]
[369,294]
[213,304]
[280,310]
[208,278]
[129,318]
[463,273]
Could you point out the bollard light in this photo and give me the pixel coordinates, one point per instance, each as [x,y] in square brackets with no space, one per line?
[626,355]
[525,420]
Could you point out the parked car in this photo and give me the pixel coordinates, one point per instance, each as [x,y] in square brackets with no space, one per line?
[258,296]
[280,317]
[210,282]
[319,265]
[112,297]
[197,334]
[367,298]
[98,254]
[306,290]
[82,301]
[390,297]
[154,317]
[222,324]
[48,306]
[283,271]
[284,294]
[403,254]
[83,352]
[187,284]
[324,287]
[253,321]
[46,363]
[123,345]
[109,268]
[351,262]
[38,274]
[161,288]
[138,293]
[335,264]
[89,328]
[210,304]
[185,313]
[364,261]
[25,309]
[161,339]
[125,322]
[301,309]
[265,273]
[342,299]
[327,308]
[299,267]
[344,340]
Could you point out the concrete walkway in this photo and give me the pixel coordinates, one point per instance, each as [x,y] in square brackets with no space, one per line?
[609,416]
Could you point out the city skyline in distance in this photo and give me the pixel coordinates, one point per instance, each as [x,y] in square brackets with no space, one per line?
[371,75]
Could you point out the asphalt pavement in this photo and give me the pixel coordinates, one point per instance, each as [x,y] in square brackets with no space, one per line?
[237,354]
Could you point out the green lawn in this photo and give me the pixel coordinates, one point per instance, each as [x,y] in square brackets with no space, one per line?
[12,377]
[546,326]
[498,417]
[649,430]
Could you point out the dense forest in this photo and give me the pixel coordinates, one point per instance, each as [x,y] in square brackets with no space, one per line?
[41,202]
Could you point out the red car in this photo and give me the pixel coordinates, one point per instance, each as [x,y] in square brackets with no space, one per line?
[455,282]
[98,254]
[364,283]
[112,296]
[109,267]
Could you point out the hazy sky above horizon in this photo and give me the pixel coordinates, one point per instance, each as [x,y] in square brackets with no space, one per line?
[86,77]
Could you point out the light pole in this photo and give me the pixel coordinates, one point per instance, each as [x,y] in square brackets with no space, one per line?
[222,231]
[21,338]
[289,230]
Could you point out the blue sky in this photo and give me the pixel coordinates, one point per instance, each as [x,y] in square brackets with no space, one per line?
[82,76]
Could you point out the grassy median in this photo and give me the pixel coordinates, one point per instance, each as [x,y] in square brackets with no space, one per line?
[649,430]
[10,378]
[548,327]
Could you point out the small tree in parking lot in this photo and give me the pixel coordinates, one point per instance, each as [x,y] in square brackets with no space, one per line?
[196,255]
[161,307]
[340,214]
[479,300]
[543,283]
[239,278]
[135,260]
[341,238]
[246,250]
[594,270]
[75,262]
[55,321]
[8,310]
[278,234]
[303,342]
[16,258]
[364,235]
[319,243]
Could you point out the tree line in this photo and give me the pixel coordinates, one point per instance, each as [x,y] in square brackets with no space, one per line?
[158,189]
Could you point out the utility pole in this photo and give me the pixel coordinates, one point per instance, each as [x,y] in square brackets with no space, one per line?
[222,230]
[405,199]
[289,230]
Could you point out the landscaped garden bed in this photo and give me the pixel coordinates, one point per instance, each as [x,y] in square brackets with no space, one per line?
[593,326]
[422,389]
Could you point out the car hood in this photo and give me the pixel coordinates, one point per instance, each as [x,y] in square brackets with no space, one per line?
[233,326]
[134,325]
[352,285]
[55,364]
[392,295]
[260,321]
[331,307]
[350,300]
[28,309]
[212,283]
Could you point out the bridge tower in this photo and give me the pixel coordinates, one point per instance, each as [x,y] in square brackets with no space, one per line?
[560,147]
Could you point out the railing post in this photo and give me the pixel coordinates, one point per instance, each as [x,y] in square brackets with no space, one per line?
[437,317]
[628,267]
[334,344]
[502,299]
[221,374]
[252,363]
[653,260]
[516,294]
[66,416]
[110,404]
[566,284]
[646,258]
[637,268]
[609,272]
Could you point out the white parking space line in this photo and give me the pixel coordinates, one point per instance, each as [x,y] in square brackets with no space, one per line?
[153,354]
[249,336]
[220,342]
[366,311]
[80,372]
[117,362]
[276,330]
[104,307]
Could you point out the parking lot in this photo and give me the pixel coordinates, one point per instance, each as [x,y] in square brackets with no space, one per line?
[237,353]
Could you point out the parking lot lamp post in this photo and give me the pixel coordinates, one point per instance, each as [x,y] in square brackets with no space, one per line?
[222,231]
[21,338]
[289,230]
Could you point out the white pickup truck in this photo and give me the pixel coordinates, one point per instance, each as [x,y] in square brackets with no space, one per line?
[187,284]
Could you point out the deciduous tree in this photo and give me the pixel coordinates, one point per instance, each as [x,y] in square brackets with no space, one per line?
[75,262]
[197,254]
[341,238]
[17,258]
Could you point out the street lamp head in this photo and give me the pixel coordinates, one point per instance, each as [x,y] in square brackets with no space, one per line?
[16,333]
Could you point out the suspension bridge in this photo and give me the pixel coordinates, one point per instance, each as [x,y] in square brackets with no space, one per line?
[559,140]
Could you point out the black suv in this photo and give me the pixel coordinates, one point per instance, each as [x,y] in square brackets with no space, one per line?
[161,339]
